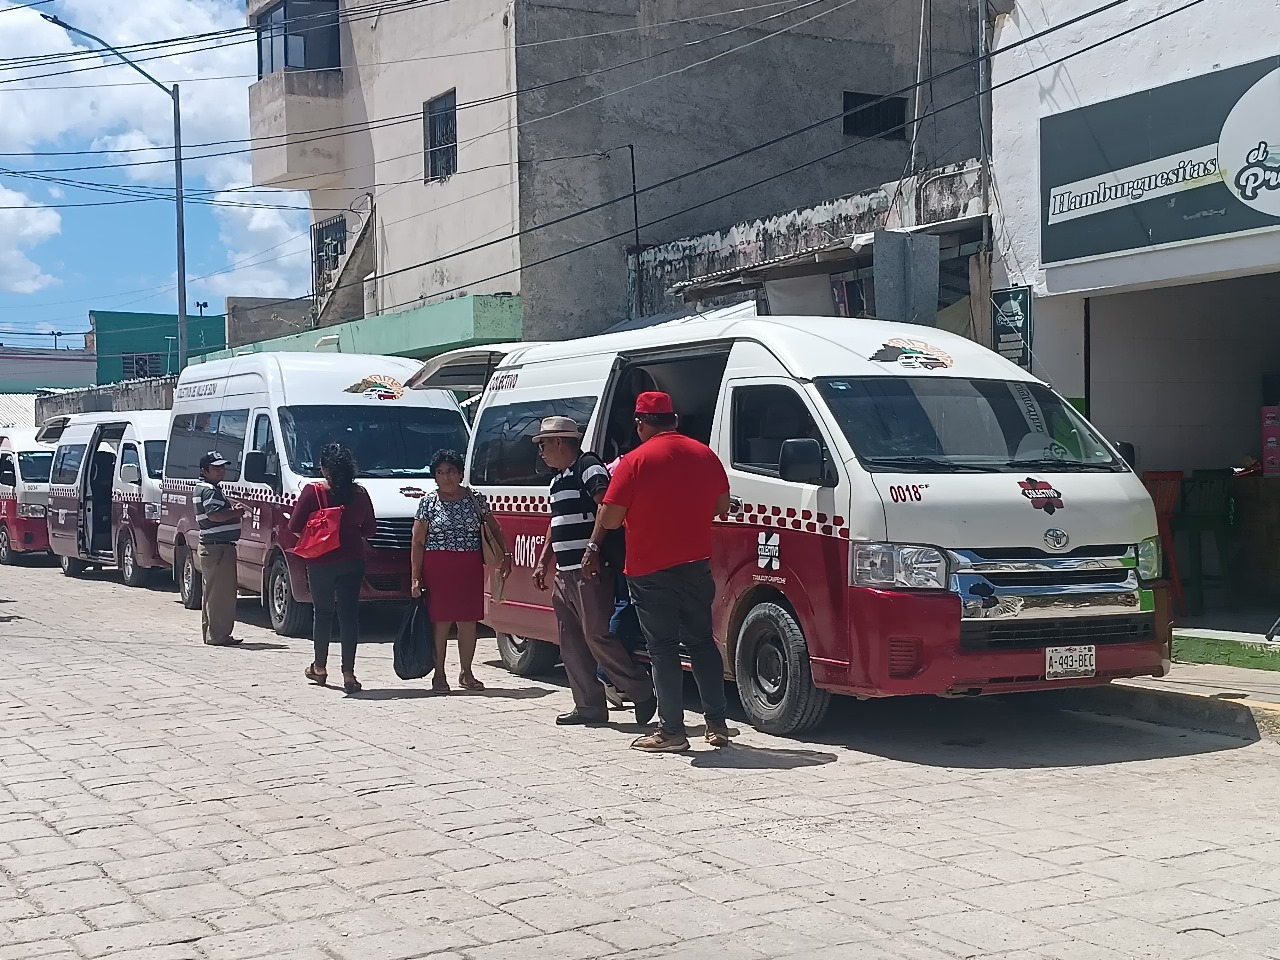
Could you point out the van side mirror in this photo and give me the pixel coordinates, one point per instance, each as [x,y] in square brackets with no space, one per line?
[255,468]
[801,461]
[1128,455]
[130,473]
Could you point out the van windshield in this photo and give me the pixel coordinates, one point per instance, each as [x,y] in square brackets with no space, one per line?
[155,458]
[951,425]
[35,467]
[388,441]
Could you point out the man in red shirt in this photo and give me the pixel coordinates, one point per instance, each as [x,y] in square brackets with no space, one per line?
[668,491]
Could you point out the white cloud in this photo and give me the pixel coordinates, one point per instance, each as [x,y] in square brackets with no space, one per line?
[20,230]
[131,114]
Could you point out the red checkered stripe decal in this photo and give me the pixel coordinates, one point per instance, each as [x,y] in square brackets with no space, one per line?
[751,514]
[8,496]
[72,493]
[241,491]
[118,496]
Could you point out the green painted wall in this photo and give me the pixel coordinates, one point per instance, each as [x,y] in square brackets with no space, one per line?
[116,334]
[418,333]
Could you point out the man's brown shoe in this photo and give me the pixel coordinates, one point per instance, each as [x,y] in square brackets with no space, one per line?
[662,742]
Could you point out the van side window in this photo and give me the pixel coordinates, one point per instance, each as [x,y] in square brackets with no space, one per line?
[763,417]
[66,464]
[8,470]
[232,427]
[191,437]
[504,451]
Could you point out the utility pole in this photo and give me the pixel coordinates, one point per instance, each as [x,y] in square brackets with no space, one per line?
[172,93]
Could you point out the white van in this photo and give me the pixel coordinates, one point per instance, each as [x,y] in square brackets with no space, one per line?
[104,491]
[270,415]
[912,513]
[24,494]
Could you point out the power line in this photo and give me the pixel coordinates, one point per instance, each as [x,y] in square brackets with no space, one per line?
[25,6]
[382,63]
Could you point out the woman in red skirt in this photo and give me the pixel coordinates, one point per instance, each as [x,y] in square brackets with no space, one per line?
[448,563]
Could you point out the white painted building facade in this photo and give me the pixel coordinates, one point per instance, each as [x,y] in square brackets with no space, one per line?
[1137,192]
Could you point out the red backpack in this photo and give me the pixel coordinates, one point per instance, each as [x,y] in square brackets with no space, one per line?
[320,536]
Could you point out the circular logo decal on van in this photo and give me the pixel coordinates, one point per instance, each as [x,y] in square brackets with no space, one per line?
[913,354]
[378,388]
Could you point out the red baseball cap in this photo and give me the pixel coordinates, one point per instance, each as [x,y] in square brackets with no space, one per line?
[654,402]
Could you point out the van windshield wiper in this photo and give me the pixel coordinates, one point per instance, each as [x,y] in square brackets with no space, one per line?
[912,464]
[1061,466]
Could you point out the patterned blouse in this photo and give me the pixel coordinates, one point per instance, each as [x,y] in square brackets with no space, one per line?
[453,526]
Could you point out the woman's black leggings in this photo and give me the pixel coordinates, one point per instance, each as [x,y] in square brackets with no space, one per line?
[335,588]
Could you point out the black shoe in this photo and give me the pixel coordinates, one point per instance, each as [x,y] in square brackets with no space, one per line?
[645,711]
[575,718]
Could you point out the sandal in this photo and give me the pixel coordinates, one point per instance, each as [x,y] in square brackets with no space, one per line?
[352,685]
[316,676]
[441,685]
[467,682]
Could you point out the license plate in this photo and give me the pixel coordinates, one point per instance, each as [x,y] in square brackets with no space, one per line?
[1066,663]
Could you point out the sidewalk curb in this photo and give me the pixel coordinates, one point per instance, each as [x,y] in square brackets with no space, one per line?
[1211,713]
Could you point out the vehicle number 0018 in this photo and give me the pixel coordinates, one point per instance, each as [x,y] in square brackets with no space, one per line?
[906,494]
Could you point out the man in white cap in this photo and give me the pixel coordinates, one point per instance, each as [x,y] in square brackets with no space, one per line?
[584,606]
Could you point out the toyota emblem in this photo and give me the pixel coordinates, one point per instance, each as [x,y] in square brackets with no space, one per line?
[1056,539]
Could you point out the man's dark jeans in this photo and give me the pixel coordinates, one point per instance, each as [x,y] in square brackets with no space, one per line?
[674,606]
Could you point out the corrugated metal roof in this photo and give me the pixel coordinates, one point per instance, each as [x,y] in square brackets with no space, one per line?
[17,410]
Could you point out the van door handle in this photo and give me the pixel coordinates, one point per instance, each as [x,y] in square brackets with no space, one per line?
[735,505]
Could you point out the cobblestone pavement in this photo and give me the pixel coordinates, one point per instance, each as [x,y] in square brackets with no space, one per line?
[160,800]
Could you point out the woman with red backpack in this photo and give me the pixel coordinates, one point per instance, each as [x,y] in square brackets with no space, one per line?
[335,565]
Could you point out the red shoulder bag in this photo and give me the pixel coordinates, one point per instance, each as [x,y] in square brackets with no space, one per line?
[320,535]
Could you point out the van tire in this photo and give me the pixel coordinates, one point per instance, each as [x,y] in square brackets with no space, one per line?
[187,573]
[131,572]
[7,556]
[72,566]
[289,618]
[774,677]
[525,657]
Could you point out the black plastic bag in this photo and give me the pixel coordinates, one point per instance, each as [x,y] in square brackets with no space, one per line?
[415,647]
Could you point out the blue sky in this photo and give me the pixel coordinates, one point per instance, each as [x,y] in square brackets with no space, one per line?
[57,262]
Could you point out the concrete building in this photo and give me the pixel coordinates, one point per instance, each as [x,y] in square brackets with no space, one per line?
[26,370]
[1137,192]
[253,319]
[135,346]
[426,131]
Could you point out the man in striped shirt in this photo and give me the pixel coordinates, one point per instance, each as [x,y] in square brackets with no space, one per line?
[219,523]
[583,607]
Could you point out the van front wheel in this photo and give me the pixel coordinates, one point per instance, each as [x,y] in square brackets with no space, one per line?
[289,618]
[7,555]
[190,583]
[72,566]
[131,572]
[773,673]
[525,657]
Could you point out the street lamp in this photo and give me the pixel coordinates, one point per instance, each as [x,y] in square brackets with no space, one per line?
[177,177]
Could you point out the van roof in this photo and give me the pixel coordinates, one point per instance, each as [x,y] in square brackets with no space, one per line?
[148,424]
[308,377]
[808,347]
[20,438]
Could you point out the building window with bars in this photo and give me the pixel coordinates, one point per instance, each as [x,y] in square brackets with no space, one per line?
[440,133]
[298,35]
[870,115]
[140,366]
[328,245]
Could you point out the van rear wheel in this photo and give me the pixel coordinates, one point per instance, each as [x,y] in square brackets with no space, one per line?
[72,566]
[7,556]
[289,618]
[773,674]
[526,657]
[190,583]
[131,572]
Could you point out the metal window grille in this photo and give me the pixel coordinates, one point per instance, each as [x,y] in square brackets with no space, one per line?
[440,120]
[139,366]
[328,244]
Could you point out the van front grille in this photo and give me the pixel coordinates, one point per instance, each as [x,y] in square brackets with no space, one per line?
[1036,634]
[394,534]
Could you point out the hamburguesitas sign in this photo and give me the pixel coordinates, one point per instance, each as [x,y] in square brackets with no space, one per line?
[1189,161]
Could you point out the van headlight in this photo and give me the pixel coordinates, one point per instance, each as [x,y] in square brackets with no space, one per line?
[151,511]
[1150,559]
[31,511]
[899,565]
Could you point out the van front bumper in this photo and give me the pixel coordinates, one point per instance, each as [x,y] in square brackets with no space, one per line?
[911,643]
[29,535]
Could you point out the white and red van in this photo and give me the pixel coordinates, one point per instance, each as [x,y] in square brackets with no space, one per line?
[270,415]
[912,513]
[104,491]
[24,494]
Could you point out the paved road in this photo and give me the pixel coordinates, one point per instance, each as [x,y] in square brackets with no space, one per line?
[160,800]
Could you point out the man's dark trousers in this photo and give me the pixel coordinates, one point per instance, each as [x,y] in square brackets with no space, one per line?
[674,605]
